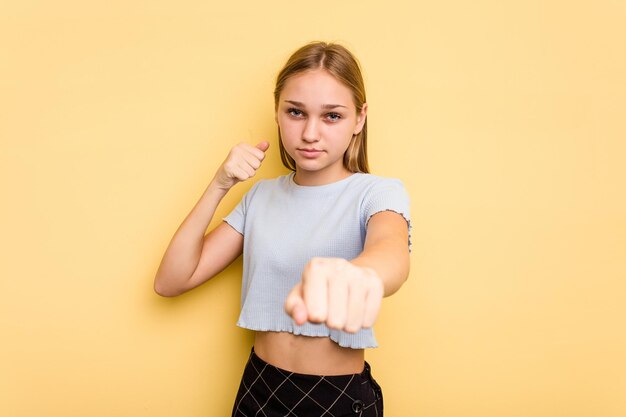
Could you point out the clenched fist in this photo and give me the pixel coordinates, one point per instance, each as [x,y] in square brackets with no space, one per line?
[242,162]
[335,292]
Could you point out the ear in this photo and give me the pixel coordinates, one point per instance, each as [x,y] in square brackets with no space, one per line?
[360,119]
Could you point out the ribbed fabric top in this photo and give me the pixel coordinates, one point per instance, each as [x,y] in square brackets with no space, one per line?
[285,225]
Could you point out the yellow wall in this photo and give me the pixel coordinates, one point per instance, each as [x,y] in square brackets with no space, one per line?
[505,120]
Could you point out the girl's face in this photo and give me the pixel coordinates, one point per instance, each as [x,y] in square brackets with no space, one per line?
[317,118]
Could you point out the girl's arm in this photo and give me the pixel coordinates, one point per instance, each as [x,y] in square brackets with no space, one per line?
[346,295]
[386,250]
[193,258]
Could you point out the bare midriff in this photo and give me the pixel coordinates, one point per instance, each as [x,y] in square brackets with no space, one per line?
[307,355]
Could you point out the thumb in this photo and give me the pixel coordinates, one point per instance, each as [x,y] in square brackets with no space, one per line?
[295,307]
[263,145]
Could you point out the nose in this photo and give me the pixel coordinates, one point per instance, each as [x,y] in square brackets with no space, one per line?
[311,131]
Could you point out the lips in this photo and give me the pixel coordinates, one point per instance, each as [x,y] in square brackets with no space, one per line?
[310,152]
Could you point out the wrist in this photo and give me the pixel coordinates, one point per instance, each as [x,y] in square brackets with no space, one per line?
[216,189]
[217,185]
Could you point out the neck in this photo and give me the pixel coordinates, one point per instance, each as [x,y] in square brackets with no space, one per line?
[313,178]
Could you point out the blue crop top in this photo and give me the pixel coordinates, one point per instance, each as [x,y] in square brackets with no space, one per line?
[285,224]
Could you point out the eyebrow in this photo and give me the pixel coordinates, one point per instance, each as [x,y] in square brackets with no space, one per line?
[324,106]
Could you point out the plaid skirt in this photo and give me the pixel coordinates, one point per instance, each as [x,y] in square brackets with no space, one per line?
[268,391]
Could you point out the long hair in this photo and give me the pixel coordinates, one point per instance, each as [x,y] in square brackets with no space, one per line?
[340,63]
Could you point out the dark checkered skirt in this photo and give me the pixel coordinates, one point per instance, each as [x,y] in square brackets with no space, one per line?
[268,391]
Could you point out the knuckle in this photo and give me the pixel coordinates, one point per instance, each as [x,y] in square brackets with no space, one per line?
[231,164]
[316,317]
[357,286]
[316,262]
[378,285]
[335,323]
[340,264]
[351,328]
[367,323]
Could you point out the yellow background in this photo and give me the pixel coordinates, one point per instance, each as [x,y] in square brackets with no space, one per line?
[504,119]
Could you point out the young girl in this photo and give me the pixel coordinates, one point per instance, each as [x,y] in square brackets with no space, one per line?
[321,246]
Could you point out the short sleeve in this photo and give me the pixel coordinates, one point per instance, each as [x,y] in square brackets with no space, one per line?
[237,217]
[388,194]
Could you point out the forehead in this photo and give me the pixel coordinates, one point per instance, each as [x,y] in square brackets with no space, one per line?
[316,87]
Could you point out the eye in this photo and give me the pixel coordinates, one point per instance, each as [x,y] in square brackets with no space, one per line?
[333,117]
[292,111]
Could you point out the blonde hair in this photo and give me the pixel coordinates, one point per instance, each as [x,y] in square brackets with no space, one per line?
[340,63]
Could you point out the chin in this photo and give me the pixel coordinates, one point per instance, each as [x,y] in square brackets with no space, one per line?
[308,167]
